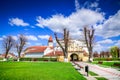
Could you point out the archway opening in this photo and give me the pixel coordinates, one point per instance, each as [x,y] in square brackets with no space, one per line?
[74,57]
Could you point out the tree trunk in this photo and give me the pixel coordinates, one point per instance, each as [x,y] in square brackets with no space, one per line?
[65,57]
[18,59]
[90,55]
[5,58]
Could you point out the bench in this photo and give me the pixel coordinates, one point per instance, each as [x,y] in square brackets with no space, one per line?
[100,62]
[116,64]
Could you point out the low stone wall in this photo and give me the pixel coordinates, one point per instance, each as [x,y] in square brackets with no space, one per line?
[60,58]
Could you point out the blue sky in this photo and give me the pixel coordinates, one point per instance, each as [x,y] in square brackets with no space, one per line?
[38,19]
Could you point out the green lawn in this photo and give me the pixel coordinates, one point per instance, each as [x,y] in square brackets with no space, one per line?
[100,78]
[107,63]
[38,71]
[92,73]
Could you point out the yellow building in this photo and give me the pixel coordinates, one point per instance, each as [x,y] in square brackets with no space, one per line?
[77,50]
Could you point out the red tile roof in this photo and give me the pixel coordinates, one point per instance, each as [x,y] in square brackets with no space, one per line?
[50,39]
[35,49]
[56,53]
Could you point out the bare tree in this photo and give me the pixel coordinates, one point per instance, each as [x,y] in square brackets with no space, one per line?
[102,54]
[89,38]
[8,43]
[64,46]
[95,54]
[22,40]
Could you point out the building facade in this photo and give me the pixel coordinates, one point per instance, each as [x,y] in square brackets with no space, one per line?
[77,50]
[42,51]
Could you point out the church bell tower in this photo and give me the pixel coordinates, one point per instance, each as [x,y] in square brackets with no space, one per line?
[50,42]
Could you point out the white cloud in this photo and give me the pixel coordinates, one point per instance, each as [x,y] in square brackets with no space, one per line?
[77,5]
[92,5]
[17,22]
[28,43]
[118,43]
[15,37]
[38,43]
[101,47]
[1,39]
[32,37]
[107,41]
[76,21]
[98,48]
[44,36]
[110,27]
[95,4]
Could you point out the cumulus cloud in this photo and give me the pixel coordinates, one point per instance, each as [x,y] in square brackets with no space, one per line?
[77,5]
[101,47]
[31,37]
[105,44]
[95,4]
[17,22]
[110,27]
[43,36]
[98,47]
[1,39]
[92,5]
[15,37]
[76,21]
[106,41]
[117,43]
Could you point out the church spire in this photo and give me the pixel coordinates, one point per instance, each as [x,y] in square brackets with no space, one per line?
[50,42]
[50,39]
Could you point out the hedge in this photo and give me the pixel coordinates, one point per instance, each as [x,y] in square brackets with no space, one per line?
[38,59]
[106,59]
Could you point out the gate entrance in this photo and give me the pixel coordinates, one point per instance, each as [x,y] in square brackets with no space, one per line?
[74,57]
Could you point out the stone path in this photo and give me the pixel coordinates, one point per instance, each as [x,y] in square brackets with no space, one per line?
[82,71]
[108,73]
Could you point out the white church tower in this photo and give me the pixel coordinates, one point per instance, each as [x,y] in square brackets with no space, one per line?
[50,42]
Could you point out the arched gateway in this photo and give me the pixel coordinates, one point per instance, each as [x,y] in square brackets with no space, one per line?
[74,57]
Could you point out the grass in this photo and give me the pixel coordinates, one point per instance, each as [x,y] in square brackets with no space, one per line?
[107,63]
[100,78]
[1,58]
[38,71]
[92,73]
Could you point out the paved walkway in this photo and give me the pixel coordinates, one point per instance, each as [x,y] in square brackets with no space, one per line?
[82,71]
[108,73]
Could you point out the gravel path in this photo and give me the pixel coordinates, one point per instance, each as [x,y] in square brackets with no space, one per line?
[108,73]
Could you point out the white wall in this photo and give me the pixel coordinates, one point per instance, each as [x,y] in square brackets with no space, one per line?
[34,55]
[48,50]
